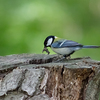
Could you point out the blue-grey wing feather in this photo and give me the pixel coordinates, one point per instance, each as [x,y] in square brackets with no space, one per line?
[66,43]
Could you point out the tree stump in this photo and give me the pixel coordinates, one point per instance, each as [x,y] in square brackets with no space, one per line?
[43,77]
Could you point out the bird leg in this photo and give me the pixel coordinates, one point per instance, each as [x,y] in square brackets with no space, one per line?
[67,57]
[64,57]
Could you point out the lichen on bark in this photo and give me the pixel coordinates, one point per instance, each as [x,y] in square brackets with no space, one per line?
[45,77]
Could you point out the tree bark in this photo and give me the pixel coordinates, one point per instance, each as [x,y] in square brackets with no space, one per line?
[46,77]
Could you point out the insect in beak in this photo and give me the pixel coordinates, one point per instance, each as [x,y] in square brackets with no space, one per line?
[45,49]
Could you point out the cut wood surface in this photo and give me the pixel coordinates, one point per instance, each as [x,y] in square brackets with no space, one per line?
[46,77]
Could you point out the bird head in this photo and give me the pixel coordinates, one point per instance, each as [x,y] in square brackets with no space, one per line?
[48,42]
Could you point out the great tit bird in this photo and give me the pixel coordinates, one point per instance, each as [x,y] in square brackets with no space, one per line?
[63,46]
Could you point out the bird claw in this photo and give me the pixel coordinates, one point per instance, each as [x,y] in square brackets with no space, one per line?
[47,51]
[69,57]
[64,58]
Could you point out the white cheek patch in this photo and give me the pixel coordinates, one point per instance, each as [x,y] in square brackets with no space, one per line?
[49,41]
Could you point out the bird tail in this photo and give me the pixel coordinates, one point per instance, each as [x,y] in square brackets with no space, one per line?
[90,46]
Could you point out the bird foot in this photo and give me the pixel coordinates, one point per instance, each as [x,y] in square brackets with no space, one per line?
[69,57]
[63,58]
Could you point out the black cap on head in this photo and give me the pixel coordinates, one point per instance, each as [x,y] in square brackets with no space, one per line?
[48,41]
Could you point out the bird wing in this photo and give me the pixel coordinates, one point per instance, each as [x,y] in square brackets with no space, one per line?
[65,43]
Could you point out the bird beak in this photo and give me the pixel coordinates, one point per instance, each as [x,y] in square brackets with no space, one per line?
[45,49]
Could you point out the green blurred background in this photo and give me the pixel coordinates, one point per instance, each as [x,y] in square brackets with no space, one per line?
[24,24]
